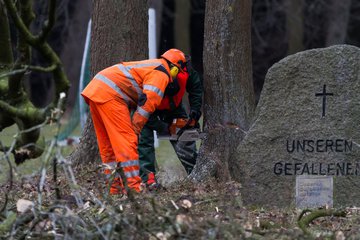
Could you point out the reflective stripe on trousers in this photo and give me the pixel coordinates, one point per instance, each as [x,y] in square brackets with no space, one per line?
[117,139]
[129,163]
[129,174]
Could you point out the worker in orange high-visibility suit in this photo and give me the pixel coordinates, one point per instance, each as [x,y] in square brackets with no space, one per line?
[171,108]
[121,99]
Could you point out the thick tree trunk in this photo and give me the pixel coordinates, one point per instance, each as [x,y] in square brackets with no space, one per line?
[119,33]
[229,94]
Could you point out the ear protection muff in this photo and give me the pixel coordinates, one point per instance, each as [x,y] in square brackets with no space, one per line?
[174,70]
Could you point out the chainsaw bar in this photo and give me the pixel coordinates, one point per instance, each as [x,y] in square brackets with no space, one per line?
[187,135]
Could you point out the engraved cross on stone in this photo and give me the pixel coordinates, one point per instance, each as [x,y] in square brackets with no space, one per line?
[324,94]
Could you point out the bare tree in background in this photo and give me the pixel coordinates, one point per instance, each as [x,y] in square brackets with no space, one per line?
[295,25]
[229,99]
[67,39]
[73,47]
[269,38]
[280,28]
[338,20]
[119,33]
[15,104]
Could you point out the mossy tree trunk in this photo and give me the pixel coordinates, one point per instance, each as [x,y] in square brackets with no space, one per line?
[119,33]
[15,105]
[6,60]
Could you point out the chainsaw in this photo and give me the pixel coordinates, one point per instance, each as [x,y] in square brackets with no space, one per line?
[183,129]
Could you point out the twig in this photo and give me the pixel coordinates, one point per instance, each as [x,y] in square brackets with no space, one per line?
[10,175]
[41,69]
[70,175]
[174,204]
[19,22]
[49,23]
[13,73]
[26,68]
[129,192]
[207,201]
[97,228]
[57,190]
[50,150]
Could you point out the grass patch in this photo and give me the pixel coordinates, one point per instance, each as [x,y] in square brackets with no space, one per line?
[168,164]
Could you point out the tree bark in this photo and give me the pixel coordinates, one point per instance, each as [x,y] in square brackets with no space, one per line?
[197,17]
[119,33]
[338,20]
[229,100]
[6,55]
[15,105]
[295,25]
[73,46]
[6,60]
[182,25]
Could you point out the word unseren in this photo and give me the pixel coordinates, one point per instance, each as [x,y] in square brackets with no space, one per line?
[319,145]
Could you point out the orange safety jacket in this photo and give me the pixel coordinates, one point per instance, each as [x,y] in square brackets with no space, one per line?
[141,84]
[167,101]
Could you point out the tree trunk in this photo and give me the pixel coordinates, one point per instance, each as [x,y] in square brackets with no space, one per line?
[229,100]
[6,60]
[73,46]
[119,33]
[197,16]
[338,19]
[182,25]
[295,25]
[315,24]
[6,55]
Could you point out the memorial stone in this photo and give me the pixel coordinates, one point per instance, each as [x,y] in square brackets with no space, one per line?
[307,123]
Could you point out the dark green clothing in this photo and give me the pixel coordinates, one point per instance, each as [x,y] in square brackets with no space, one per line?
[186,151]
[160,120]
[194,87]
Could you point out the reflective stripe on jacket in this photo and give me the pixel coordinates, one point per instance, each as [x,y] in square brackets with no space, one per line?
[141,84]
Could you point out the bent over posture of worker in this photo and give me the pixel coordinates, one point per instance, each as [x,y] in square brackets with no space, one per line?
[172,108]
[121,99]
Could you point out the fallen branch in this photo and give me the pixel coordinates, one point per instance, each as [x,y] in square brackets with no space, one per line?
[304,221]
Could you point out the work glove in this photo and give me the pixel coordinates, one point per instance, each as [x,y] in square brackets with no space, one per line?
[195,114]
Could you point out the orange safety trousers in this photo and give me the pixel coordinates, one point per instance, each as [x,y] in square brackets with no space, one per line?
[117,142]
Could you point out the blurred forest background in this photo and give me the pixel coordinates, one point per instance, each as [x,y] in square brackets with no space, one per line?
[279,28]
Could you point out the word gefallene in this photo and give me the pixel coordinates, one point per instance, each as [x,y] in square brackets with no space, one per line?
[331,169]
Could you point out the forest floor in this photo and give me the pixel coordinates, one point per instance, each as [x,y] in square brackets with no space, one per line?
[78,208]
[182,210]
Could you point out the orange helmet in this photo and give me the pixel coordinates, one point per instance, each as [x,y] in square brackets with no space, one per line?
[176,57]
